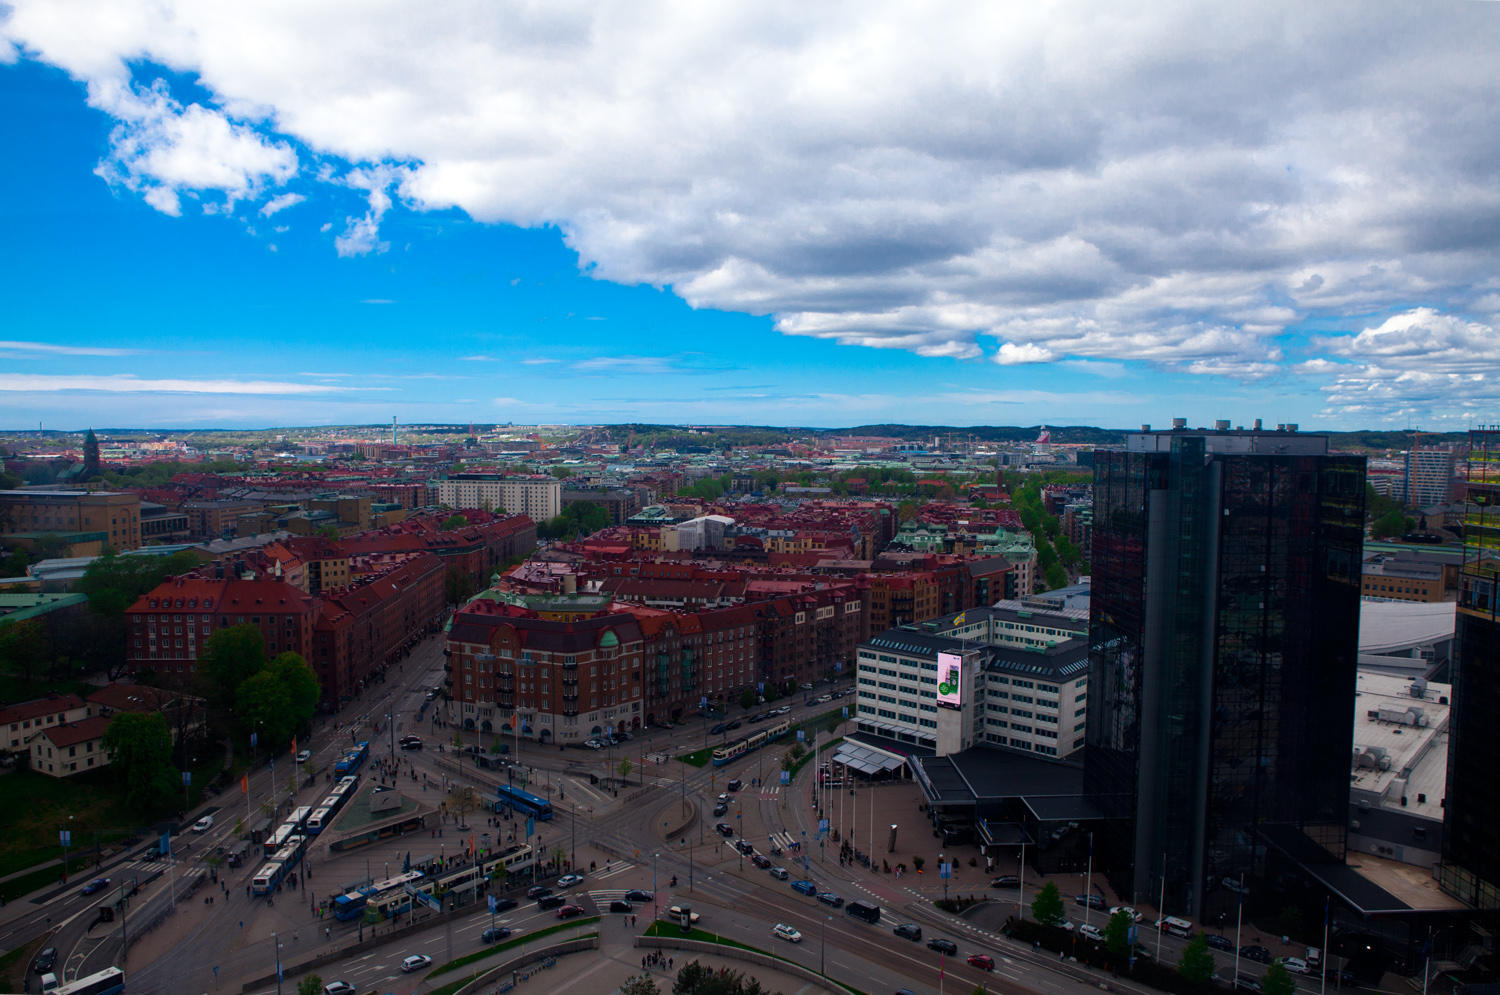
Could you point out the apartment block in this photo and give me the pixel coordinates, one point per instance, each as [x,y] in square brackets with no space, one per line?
[116,514]
[538,497]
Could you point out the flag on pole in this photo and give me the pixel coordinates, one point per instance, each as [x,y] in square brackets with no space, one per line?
[244,784]
[294,746]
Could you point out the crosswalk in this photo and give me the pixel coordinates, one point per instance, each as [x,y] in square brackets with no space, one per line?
[770,793]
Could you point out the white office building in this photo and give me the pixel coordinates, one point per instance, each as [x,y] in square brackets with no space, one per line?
[540,498]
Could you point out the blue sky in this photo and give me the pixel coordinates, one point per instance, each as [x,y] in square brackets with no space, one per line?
[582,243]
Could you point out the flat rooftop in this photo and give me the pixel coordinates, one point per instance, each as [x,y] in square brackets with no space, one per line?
[1395,755]
[1411,884]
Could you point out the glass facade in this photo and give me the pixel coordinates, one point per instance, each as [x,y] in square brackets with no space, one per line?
[1471,829]
[1224,638]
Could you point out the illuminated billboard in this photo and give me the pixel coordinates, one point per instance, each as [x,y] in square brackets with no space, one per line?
[950,680]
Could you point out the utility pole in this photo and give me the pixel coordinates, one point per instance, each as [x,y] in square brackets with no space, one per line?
[276,950]
[124,936]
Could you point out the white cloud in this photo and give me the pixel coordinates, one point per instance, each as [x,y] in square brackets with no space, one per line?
[1171,183]
[133,385]
[280,203]
[537,361]
[1011,354]
[63,350]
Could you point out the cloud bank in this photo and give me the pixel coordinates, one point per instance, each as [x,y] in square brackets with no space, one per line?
[1175,183]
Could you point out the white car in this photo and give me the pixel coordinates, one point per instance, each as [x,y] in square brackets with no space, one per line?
[1134,915]
[338,988]
[785,932]
[569,880]
[1091,931]
[1296,965]
[304,756]
[204,824]
[675,912]
[415,963]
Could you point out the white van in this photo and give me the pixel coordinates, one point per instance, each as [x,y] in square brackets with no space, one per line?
[1176,927]
[49,981]
[1314,958]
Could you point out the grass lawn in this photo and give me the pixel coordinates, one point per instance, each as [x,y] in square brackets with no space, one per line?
[514,941]
[14,964]
[826,722]
[14,690]
[39,805]
[697,758]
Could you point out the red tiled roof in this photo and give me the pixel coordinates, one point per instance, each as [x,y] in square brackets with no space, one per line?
[76,732]
[36,709]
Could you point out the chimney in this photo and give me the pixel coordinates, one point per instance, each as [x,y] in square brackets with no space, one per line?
[1179,423]
[1257,424]
[1222,425]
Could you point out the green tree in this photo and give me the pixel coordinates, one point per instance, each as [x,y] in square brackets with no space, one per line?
[264,705]
[453,522]
[140,747]
[1277,981]
[22,647]
[15,564]
[303,689]
[1117,933]
[230,657]
[310,985]
[625,767]
[641,984]
[907,510]
[1047,906]
[1196,963]
[561,472]
[1392,523]
[748,699]
[458,585]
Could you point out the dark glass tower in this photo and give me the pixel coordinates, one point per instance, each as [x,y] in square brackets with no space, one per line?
[1224,636]
[1471,824]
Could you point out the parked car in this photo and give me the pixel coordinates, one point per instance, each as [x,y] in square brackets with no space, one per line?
[1294,964]
[733,725]
[1342,978]
[779,873]
[620,905]
[721,727]
[942,945]
[98,884]
[538,891]
[724,829]
[1091,931]
[785,932]
[805,887]
[807,687]
[1252,952]
[784,709]
[760,861]
[830,899]
[569,911]
[1092,901]
[338,988]
[638,895]
[908,931]
[415,963]
[1006,881]
[757,717]
[494,934]
[1218,942]
[982,961]
[1249,984]
[550,902]
[1134,915]
[593,744]
[204,824]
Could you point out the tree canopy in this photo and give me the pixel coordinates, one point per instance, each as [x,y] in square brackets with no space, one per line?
[1047,908]
[1196,964]
[279,700]
[230,657]
[580,518]
[141,748]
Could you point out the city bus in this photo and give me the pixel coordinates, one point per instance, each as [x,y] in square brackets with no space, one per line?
[266,879]
[319,820]
[522,801]
[725,754]
[278,839]
[299,815]
[109,981]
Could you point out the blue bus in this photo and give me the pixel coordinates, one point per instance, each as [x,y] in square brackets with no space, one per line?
[353,759]
[522,801]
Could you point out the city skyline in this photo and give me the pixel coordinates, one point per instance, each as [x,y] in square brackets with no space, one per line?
[1064,218]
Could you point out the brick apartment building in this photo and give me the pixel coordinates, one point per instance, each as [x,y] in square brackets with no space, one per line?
[114,514]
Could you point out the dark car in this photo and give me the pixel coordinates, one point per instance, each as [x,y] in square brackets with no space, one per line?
[982,961]
[760,861]
[745,847]
[908,931]
[721,808]
[1342,978]
[733,725]
[550,901]
[830,899]
[1218,942]
[1255,953]
[1092,901]
[638,895]
[805,887]
[98,884]
[735,784]
[538,891]
[569,911]
[1006,881]
[724,829]
[494,934]
[620,905]
[1247,983]
[757,717]
[46,960]
[717,729]
[942,946]
[505,904]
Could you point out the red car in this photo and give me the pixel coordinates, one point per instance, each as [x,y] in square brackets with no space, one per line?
[984,961]
[569,911]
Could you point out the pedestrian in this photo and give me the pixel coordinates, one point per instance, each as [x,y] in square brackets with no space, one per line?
[669,963]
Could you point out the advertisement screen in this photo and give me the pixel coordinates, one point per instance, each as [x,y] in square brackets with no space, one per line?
[950,680]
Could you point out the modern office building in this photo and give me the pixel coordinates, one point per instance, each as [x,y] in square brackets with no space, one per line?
[1427,475]
[1471,831]
[1223,636]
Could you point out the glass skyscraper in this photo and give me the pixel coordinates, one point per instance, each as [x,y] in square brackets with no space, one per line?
[1223,642]
[1471,826]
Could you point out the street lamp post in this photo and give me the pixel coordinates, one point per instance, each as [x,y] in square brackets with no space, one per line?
[823,952]
[276,953]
